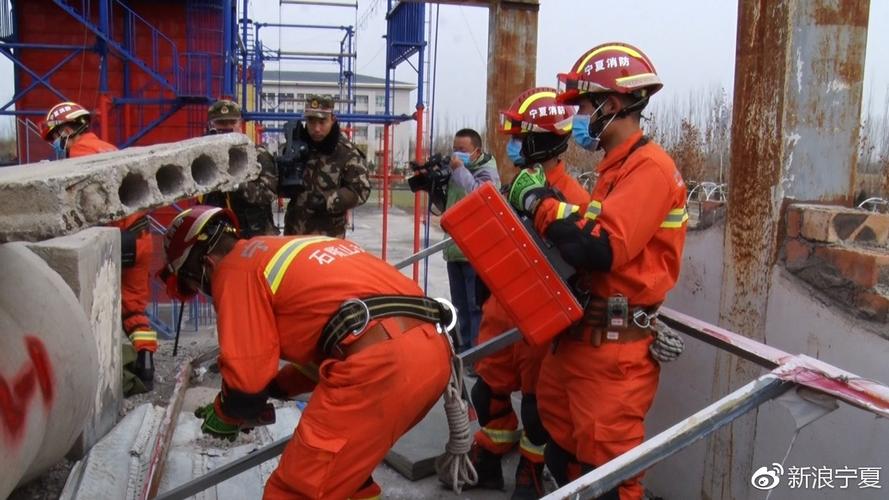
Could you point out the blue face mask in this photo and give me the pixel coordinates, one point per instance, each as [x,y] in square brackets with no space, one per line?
[59,148]
[580,131]
[463,157]
[514,152]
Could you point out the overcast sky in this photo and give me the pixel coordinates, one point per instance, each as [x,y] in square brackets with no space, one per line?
[691,42]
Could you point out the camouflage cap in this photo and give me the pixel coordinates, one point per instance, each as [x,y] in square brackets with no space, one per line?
[224,109]
[318,106]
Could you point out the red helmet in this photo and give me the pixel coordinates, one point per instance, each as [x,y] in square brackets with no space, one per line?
[536,110]
[62,113]
[190,227]
[611,67]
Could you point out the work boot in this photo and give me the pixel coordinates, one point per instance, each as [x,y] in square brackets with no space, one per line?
[488,467]
[144,368]
[528,480]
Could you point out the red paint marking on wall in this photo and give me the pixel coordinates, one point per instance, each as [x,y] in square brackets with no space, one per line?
[16,394]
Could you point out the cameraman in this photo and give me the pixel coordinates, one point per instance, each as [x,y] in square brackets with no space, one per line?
[335,175]
[251,201]
[470,168]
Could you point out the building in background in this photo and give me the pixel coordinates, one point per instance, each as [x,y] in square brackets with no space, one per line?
[285,91]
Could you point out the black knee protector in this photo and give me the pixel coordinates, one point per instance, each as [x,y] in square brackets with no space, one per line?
[531,421]
[557,460]
[484,400]
[612,494]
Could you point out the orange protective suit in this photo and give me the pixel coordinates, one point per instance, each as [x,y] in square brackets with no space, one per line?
[593,399]
[517,367]
[273,296]
[134,281]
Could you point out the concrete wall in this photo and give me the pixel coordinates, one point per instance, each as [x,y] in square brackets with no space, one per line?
[89,262]
[799,320]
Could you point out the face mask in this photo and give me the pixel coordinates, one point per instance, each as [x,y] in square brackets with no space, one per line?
[580,131]
[58,146]
[463,157]
[514,152]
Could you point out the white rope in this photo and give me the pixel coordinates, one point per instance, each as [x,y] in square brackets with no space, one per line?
[454,467]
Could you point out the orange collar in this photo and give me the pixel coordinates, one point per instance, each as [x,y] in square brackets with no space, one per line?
[617,155]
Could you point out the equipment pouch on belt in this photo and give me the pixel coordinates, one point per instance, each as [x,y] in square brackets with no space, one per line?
[128,237]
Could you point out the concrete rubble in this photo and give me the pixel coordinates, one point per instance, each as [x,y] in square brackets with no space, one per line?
[47,199]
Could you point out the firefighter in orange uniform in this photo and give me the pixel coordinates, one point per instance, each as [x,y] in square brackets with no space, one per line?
[600,379]
[67,129]
[540,130]
[354,329]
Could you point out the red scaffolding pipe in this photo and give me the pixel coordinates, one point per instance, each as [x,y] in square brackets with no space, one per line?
[418,213]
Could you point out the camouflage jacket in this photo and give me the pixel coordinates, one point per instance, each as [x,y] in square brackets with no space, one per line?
[252,200]
[337,179]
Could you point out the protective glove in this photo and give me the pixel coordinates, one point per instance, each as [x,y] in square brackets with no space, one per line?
[528,189]
[216,425]
[316,202]
[667,345]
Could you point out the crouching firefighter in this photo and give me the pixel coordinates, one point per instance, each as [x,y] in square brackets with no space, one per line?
[599,381]
[540,130]
[350,328]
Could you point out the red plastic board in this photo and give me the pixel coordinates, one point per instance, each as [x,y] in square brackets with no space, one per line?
[510,263]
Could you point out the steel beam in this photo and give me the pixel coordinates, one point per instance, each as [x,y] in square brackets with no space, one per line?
[680,436]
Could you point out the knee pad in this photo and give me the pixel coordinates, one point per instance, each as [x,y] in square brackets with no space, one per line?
[558,460]
[488,405]
[531,420]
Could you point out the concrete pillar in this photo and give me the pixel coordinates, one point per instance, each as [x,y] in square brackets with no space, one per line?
[47,366]
[798,80]
[89,262]
[512,67]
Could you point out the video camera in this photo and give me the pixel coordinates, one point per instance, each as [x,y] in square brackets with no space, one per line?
[436,171]
[291,161]
[432,177]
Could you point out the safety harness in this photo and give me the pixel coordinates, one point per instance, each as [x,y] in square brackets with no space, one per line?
[354,315]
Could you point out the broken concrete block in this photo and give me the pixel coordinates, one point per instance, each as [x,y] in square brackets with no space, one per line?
[413,456]
[47,199]
[860,266]
[832,224]
[48,370]
[89,262]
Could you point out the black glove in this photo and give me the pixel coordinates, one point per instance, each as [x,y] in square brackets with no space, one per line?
[316,202]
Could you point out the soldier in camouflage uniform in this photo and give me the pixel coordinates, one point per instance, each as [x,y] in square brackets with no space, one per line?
[336,175]
[251,201]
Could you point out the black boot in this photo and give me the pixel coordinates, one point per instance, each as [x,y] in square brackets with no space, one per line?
[488,467]
[144,368]
[528,480]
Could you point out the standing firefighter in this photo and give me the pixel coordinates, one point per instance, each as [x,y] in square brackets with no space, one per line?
[335,174]
[252,201]
[600,379]
[540,130]
[67,129]
[352,328]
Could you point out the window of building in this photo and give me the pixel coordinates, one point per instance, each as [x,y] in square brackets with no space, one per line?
[381,102]
[360,133]
[361,105]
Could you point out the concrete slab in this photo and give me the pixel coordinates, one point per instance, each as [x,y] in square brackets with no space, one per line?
[42,200]
[89,262]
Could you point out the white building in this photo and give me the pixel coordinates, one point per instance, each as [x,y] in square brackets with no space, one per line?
[286,91]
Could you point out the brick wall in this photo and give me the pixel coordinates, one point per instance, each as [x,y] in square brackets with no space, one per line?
[844,253]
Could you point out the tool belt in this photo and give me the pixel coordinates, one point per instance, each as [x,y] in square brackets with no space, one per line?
[594,327]
[354,315]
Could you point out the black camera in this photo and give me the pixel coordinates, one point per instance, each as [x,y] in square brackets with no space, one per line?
[432,177]
[291,161]
[427,176]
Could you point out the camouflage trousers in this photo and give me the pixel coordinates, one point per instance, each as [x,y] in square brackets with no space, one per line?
[297,220]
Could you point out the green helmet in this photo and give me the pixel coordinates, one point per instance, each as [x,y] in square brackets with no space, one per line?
[224,109]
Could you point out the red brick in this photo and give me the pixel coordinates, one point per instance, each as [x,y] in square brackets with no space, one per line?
[794,221]
[797,253]
[874,306]
[860,266]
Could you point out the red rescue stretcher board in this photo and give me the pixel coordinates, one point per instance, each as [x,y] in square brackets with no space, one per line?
[515,269]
